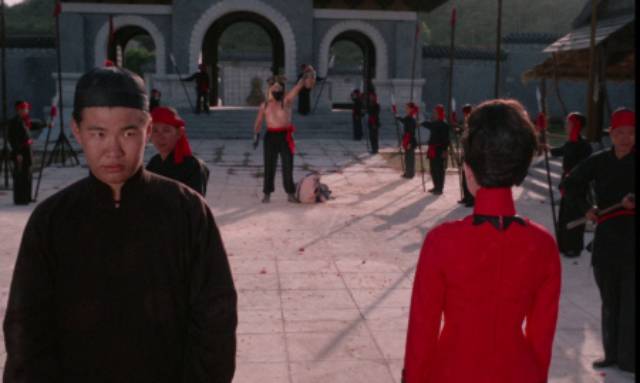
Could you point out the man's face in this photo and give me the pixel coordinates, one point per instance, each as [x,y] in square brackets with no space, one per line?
[164,137]
[623,138]
[113,141]
[276,87]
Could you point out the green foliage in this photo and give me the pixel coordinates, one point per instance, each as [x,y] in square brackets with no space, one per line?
[476,19]
[139,60]
[31,17]
[245,37]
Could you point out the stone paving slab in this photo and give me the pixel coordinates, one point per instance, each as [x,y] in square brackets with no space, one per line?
[324,290]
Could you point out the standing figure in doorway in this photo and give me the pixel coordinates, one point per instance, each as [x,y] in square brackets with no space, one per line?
[201,78]
[409,142]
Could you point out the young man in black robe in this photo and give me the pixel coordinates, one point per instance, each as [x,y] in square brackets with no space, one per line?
[122,276]
[409,142]
[278,140]
[612,172]
[437,150]
[373,110]
[175,159]
[19,136]
[356,114]
[201,78]
[573,151]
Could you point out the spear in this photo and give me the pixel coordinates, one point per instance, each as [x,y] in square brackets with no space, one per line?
[332,60]
[413,75]
[364,126]
[175,67]
[394,109]
[542,125]
[52,115]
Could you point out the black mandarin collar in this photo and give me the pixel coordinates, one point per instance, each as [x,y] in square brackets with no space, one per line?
[103,195]
[495,205]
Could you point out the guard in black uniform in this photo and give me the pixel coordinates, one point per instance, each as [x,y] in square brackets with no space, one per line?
[437,150]
[19,135]
[201,78]
[612,172]
[409,142]
[573,151]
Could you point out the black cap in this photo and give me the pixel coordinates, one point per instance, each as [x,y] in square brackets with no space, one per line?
[110,87]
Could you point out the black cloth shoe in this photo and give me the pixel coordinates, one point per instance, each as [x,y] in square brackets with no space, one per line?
[435,191]
[266,198]
[571,254]
[469,204]
[431,190]
[604,363]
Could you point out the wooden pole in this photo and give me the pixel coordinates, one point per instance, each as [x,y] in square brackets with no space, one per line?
[498,43]
[546,157]
[591,107]
[454,156]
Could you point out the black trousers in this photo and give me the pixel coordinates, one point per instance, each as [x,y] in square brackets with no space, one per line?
[373,137]
[467,196]
[275,143]
[617,285]
[304,101]
[357,127]
[569,240]
[437,167]
[410,162]
[202,102]
[22,180]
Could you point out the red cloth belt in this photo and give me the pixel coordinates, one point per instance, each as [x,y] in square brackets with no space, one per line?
[615,214]
[406,139]
[289,129]
[373,121]
[431,151]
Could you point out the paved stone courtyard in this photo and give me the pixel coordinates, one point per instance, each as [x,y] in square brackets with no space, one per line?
[324,289]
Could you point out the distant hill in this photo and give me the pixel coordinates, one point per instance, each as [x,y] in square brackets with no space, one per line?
[477,20]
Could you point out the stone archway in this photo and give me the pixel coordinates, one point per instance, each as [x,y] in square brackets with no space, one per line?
[258,7]
[381,57]
[100,53]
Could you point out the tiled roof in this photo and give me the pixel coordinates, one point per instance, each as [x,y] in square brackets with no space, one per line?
[440,51]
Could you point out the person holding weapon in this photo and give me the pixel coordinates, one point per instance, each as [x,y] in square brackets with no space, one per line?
[19,135]
[612,172]
[573,151]
[278,140]
[409,142]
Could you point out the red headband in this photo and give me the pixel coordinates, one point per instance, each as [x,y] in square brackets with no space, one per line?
[164,115]
[623,117]
[23,105]
[440,112]
[413,109]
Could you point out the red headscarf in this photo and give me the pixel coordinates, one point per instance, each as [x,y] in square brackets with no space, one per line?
[623,117]
[575,126]
[439,112]
[413,109]
[541,122]
[26,119]
[168,116]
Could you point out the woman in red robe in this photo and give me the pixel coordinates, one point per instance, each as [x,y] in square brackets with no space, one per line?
[484,309]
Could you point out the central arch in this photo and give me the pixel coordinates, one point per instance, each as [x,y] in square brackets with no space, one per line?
[381,56]
[211,45]
[258,7]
